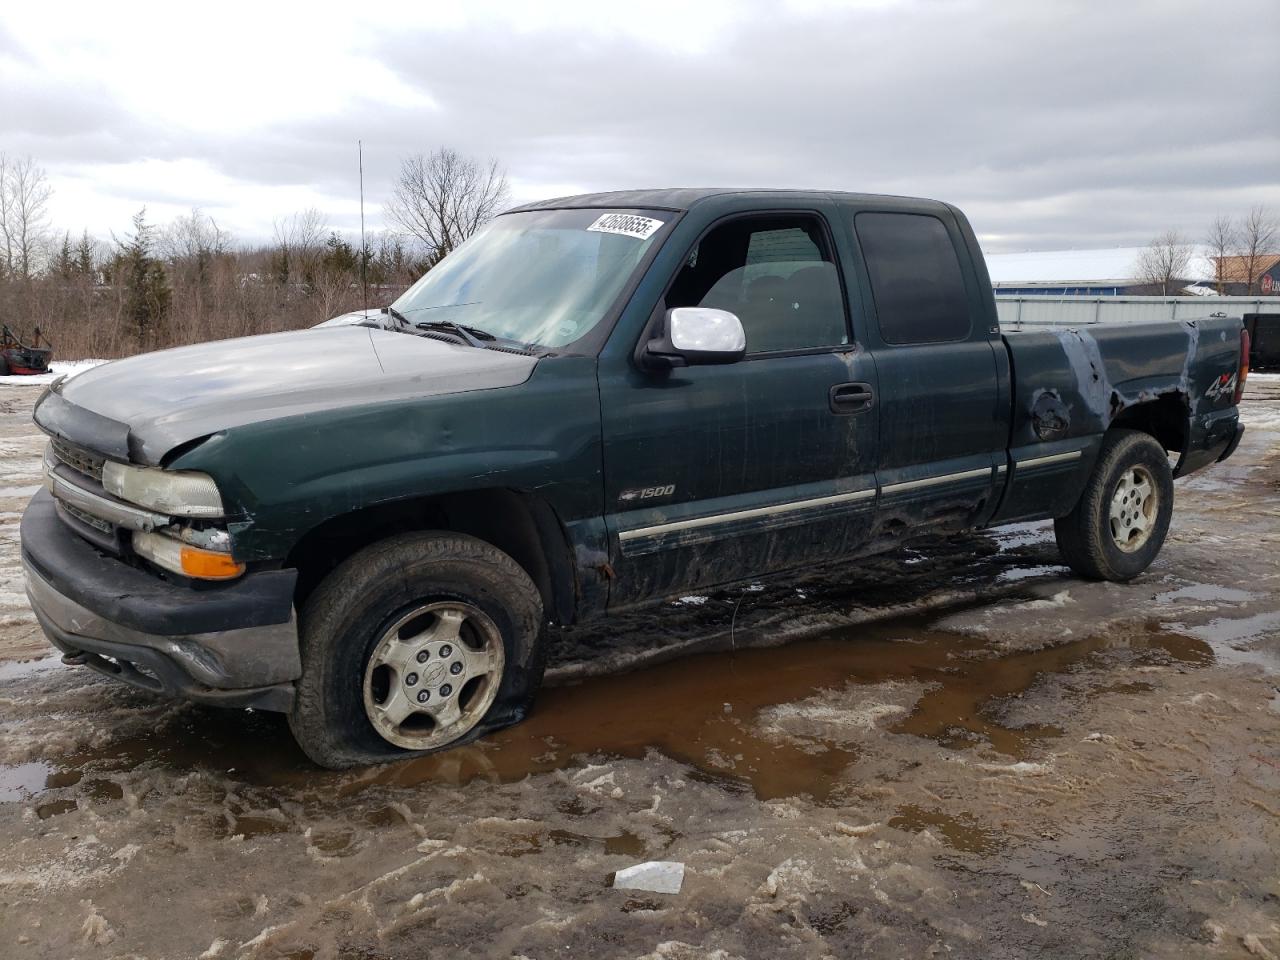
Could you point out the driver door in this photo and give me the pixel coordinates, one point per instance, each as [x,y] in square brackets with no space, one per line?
[717,473]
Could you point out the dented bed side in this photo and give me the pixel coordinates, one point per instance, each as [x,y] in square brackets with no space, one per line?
[1071,385]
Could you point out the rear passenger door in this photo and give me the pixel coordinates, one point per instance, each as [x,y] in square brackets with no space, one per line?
[714,473]
[942,430]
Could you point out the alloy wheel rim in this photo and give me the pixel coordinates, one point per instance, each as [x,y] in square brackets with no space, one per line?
[1135,504]
[433,674]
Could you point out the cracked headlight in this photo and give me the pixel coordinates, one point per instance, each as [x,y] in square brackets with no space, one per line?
[177,493]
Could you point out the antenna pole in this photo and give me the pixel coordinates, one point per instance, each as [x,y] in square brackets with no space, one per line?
[364,250]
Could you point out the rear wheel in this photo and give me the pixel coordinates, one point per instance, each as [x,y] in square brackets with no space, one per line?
[1119,525]
[416,644]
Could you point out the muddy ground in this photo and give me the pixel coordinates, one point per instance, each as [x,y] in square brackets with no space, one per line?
[955,751]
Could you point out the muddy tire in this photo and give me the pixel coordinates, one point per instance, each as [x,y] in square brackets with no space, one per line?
[416,644]
[1120,523]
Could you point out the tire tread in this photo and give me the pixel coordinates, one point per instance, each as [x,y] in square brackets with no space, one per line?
[334,608]
[1082,533]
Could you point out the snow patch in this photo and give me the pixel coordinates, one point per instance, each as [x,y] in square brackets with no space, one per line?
[1059,599]
[95,931]
[58,368]
[1022,768]
[867,716]
[1022,534]
[1014,574]
[1208,593]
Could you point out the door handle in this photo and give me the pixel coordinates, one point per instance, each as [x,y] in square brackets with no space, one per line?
[851,397]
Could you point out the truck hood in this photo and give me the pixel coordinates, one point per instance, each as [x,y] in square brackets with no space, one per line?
[146,405]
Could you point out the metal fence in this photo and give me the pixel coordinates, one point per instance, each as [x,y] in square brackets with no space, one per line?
[1017,312]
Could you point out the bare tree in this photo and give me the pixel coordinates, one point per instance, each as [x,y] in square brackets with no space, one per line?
[191,244]
[1165,260]
[194,237]
[24,216]
[1220,243]
[443,198]
[303,230]
[1257,240]
[299,239]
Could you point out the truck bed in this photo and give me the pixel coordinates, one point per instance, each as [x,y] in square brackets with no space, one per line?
[1069,385]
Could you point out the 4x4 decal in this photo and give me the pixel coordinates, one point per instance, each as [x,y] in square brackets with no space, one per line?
[1225,385]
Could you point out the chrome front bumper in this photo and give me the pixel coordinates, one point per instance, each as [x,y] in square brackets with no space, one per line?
[107,508]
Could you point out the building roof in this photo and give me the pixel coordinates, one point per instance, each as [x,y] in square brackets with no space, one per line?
[1109,266]
[1236,269]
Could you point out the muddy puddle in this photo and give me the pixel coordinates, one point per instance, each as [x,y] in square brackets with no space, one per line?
[1235,639]
[960,832]
[15,670]
[701,710]
[23,780]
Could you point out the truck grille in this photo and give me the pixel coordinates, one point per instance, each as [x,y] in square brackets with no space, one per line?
[76,468]
[78,459]
[88,519]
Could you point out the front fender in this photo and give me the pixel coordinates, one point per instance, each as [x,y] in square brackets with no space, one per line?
[284,477]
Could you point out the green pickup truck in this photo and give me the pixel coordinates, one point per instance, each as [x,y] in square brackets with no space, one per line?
[597,402]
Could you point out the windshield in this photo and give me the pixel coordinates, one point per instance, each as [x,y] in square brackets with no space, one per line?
[544,277]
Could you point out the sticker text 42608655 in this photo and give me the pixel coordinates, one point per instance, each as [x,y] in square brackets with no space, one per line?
[627,224]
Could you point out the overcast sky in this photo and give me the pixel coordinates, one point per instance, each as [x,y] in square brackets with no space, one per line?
[1052,124]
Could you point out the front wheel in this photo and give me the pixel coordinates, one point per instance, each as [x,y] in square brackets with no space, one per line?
[1120,523]
[416,644]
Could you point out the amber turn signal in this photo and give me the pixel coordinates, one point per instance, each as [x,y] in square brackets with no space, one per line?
[194,562]
[209,565]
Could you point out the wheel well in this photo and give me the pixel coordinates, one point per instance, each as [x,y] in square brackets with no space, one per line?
[1165,418]
[520,525]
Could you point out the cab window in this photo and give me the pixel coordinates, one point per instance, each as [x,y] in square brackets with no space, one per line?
[915,277]
[777,273]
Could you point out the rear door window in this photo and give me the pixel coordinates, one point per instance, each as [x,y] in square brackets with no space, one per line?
[915,277]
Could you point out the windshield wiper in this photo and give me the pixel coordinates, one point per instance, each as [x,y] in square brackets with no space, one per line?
[396,315]
[471,336]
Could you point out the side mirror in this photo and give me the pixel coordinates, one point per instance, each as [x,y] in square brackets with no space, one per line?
[696,335]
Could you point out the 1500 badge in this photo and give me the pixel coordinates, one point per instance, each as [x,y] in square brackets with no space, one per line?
[647,493]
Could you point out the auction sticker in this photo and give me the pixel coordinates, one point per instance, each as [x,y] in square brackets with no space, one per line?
[629,225]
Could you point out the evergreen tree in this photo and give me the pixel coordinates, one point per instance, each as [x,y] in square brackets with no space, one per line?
[278,266]
[392,263]
[340,257]
[85,255]
[66,264]
[146,286]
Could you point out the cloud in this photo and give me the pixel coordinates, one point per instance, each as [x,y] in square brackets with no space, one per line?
[1051,124]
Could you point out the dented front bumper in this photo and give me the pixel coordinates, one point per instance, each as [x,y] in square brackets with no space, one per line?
[232,644]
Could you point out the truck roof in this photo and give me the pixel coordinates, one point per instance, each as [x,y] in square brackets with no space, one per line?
[682,198]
